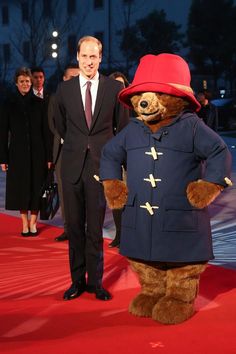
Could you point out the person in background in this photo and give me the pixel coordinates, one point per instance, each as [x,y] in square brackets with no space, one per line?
[38,81]
[117,75]
[208,112]
[25,150]
[118,212]
[69,72]
[87,113]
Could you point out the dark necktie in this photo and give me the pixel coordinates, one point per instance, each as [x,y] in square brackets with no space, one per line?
[88,104]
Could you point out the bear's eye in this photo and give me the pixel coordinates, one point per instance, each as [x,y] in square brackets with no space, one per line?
[143,104]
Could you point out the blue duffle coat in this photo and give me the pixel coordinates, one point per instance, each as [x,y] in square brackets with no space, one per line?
[158,222]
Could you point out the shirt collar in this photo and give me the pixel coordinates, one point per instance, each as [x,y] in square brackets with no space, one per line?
[84,80]
[36,91]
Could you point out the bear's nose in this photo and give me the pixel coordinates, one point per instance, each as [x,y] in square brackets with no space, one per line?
[143,104]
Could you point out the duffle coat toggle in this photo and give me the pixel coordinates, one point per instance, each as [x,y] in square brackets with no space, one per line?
[152,180]
[153,153]
[149,207]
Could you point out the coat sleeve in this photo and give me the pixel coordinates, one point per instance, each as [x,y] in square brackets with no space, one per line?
[4,134]
[48,136]
[60,113]
[51,117]
[210,148]
[113,157]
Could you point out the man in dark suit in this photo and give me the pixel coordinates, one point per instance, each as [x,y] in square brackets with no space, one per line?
[208,112]
[38,80]
[69,72]
[87,113]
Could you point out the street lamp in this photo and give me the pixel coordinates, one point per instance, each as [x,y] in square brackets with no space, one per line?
[54,44]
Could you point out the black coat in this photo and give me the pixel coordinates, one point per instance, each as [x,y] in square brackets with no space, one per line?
[26,146]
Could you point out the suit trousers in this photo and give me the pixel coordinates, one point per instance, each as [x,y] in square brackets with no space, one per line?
[85,208]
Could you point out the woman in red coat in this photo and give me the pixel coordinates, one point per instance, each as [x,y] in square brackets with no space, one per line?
[25,150]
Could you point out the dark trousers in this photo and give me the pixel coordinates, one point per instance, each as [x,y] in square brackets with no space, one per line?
[85,207]
[117,213]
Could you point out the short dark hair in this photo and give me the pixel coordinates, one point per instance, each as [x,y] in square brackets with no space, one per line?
[37,69]
[22,71]
[71,66]
[206,93]
[119,74]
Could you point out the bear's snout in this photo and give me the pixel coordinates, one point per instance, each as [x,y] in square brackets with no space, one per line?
[143,104]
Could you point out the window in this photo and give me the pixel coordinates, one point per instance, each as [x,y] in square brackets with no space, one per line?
[71,7]
[47,8]
[99,35]
[5,15]
[25,11]
[6,53]
[26,50]
[72,45]
[98,4]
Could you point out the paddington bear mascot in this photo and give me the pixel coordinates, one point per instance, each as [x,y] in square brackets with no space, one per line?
[176,166]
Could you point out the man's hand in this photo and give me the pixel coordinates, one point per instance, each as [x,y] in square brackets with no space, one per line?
[4,167]
[50,165]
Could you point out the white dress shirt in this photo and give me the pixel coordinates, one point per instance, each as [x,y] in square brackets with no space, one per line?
[36,92]
[94,88]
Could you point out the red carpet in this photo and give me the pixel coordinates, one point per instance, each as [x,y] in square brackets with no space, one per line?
[35,319]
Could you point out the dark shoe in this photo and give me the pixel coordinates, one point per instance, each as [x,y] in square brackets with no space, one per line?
[62,237]
[25,234]
[114,243]
[75,290]
[100,293]
[33,234]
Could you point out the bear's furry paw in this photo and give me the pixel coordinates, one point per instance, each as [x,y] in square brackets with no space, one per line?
[142,305]
[171,311]
[116,193]
[202,193]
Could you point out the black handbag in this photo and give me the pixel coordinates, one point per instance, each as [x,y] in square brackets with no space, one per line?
[49,203]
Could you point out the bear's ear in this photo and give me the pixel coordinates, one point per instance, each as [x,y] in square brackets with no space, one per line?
[174,105]
[135,100]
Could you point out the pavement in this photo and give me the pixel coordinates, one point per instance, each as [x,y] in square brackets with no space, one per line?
[222,211]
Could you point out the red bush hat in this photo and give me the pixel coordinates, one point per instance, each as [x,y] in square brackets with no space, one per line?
[165,73]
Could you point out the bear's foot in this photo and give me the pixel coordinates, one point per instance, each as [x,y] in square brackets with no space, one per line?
[142,305]
[171,311]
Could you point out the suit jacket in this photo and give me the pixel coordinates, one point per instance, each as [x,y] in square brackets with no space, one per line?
[209,114]
[109,117]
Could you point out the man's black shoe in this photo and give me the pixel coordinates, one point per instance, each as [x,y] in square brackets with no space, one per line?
[100,293]
[75,290]
[114,243]
[62,237]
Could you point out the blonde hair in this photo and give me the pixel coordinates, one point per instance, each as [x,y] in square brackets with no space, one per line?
[90,38]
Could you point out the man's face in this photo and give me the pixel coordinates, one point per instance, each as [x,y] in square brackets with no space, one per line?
[38,80]
[201,99]
[71,72]
[89,59]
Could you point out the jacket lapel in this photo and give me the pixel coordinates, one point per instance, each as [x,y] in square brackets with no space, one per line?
[81,123]
[99,99]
